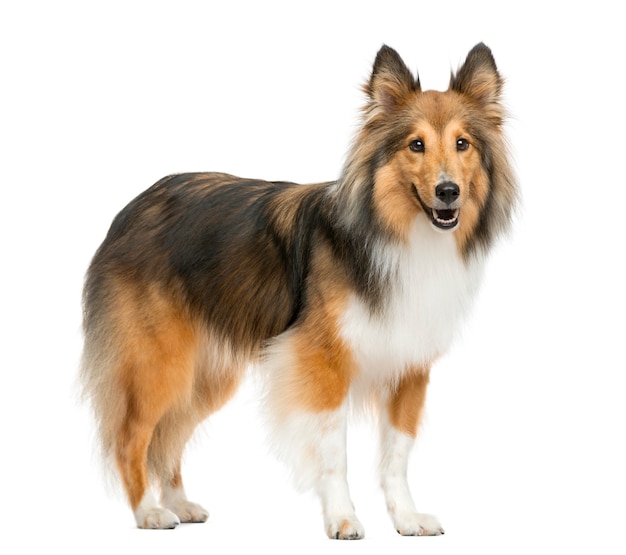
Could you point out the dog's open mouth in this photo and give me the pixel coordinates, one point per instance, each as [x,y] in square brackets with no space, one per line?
[445,219]
[441,218]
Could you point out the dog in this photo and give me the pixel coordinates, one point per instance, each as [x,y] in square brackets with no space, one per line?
[342,294]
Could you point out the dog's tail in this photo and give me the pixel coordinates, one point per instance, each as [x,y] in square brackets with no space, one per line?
[100,387]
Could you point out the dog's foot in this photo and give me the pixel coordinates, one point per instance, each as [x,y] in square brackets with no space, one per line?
[344,528]
[189,512]
[156,519]
[416,524]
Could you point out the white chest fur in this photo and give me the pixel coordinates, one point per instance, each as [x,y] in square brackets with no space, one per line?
[431,290]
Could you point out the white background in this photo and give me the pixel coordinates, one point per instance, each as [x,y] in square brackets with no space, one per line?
[522,449]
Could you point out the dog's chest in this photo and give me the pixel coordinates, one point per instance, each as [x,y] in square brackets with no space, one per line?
[430,291]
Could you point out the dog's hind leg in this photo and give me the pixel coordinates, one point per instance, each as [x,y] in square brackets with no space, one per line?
[156,359]
[213,386]
[133,445]
[399,422]
[165,461]
[131,457]
[174,498]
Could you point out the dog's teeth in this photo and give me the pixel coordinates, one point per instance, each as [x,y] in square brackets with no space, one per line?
[446,222]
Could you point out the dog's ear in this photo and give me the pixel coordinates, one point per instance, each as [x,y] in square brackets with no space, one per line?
[478,77]
[391,82]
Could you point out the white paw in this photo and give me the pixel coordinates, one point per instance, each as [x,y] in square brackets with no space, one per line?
[344,528]
[189,512]
[416,524]
[156,519]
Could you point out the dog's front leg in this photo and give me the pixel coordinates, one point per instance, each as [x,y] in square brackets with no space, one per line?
[308,405]
[314,446]
[340,521]
[399,421]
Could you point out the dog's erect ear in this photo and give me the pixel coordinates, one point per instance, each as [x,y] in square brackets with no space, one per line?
[391,82]
[478,77]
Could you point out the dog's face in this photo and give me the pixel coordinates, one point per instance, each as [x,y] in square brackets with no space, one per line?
[440,163]
[434,145]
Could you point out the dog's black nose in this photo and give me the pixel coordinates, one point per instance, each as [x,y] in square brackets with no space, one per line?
[447,192]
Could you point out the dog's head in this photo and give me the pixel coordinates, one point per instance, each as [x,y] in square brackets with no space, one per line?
[438,153]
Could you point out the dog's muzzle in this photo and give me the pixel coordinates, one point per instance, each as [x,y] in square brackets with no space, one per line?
[445,215]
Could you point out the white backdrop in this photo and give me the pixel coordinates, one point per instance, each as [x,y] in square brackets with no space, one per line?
[522,449]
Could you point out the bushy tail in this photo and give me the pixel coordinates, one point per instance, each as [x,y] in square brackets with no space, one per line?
[100,388]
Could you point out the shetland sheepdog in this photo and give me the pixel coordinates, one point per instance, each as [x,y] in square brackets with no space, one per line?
[340,293]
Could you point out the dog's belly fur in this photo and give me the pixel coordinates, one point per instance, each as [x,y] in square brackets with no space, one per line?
[433,288]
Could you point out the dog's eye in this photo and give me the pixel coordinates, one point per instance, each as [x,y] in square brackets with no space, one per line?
[417,145]
[462,144]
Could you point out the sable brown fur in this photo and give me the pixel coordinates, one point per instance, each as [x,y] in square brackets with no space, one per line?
[200,274]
